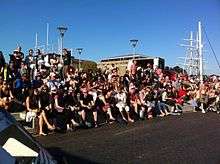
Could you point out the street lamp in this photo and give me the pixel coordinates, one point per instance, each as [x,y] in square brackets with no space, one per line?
[62,30]
[133,43]
[79,50]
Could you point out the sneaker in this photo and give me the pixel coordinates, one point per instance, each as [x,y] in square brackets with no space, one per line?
[149,116]
[203,111]
[88,124]
[131,120]
[76,124]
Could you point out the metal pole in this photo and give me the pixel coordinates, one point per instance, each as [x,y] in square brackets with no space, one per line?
[58,45]
[61,53]
[79,63]
[47,44]
[200,52]
[79,50]
[191,53]
[36,41]
[133,52]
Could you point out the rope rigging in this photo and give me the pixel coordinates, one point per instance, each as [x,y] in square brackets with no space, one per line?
[211,47]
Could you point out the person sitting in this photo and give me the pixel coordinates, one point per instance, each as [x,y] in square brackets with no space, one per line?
[5,95]
[72,106]
[87,104]
[121,104]
[34,109]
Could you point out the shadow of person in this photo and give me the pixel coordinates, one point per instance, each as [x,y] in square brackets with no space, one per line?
[63,157]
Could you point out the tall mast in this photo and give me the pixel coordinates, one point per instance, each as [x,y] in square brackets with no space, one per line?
[47,42]
[200,52]
[191,54]
[36,41]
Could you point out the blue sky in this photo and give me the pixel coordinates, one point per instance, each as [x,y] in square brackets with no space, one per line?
[104,27]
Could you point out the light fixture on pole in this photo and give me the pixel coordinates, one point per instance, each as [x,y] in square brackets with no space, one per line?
[62,30]
[133,43]
[79,50]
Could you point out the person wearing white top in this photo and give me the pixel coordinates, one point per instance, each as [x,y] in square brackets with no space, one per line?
[121,104]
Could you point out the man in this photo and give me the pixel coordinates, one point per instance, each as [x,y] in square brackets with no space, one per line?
[87,104]
[18,57]
[29,59]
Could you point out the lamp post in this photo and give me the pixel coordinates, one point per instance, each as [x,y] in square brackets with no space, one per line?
[133,43]
[62,30]
[79,50]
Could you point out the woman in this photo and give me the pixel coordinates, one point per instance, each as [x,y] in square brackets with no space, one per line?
[142,95]
[60,113]
[121,104]
[133,98]
[102,104]
[72,107]
[202,96]
[168,97]
[45,101]
[2,64]
[5,95]
[33,105]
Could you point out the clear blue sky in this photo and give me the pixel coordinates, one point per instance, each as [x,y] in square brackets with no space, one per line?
[104,27]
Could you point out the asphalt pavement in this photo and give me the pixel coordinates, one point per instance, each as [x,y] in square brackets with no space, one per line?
[189,138]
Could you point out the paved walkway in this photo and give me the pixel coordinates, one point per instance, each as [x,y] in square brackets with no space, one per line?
[190,138]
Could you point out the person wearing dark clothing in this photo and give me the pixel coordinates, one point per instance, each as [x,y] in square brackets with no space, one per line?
[87,104]
[33,106]
[72,107]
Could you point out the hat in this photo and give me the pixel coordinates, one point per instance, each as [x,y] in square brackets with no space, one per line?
[16,50]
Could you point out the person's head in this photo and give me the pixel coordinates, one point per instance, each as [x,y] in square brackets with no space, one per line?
[15,52]
[32,92]
[24,76]
[169,89]
[23,64]
[84,91]
[70,90]
[70,70]
[148,65]
[44,88]
[35,91]
[52,76]
[120,89]
[31,52]
[65,51]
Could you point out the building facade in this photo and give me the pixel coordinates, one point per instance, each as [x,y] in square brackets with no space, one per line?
[121,62]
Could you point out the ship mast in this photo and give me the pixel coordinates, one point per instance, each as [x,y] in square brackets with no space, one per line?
[200,46]
[193,62]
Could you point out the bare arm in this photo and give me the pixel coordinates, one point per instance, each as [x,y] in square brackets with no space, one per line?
[57,105]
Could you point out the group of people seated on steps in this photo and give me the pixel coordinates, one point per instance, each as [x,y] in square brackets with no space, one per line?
[60,96]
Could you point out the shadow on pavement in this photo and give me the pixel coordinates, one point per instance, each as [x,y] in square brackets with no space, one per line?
[63,157]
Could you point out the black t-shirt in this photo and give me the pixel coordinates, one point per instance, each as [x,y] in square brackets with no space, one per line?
[33,102]
[67,59]
[45,99]
[60,98]
[86,99]
[70,100]
[149,96]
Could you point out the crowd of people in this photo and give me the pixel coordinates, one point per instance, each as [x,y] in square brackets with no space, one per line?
[61,96]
